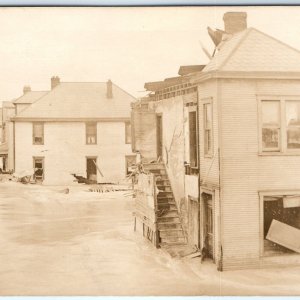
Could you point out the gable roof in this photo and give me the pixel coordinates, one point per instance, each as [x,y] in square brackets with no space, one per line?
[30,97]
[254,51]
[79,100]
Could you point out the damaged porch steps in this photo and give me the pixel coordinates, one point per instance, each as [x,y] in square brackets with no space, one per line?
[168,221]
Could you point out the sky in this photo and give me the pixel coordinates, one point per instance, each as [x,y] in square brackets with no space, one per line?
[130,46]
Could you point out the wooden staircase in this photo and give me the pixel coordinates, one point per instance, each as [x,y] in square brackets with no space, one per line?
[168,221]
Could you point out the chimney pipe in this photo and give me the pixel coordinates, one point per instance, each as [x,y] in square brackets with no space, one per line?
[26,89]
[55,80]
[109,93]
[235,22]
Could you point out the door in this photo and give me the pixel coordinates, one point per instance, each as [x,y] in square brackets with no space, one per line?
[38,166]
[159,136]
[208,224]
[91,169]
[193,221]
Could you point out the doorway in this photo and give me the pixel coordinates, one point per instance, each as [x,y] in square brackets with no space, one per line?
[208,227]
[194,229]
[38,166]
[159,136]
[91,169]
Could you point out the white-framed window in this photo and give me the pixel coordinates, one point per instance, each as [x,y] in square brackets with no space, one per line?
[279,128]
[208,134]
[270,112]
[38,133]
[91,133]
[292,113]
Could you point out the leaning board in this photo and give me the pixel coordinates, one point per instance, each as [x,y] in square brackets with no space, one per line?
[284,235]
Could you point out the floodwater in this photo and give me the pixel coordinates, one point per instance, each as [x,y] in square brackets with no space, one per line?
[83,243]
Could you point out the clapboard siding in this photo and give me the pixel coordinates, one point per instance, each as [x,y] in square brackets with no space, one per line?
[244,171]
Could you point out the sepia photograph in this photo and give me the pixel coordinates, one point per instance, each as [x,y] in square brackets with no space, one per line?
[150,151]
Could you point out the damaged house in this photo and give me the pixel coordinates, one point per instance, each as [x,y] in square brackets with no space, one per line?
[226,143]
[80,128]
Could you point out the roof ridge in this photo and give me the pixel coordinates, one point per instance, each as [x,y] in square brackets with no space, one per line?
[242,39]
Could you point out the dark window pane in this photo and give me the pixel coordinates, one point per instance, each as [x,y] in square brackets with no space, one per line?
[193,139]
[293,138]
[207,141]
[270,138]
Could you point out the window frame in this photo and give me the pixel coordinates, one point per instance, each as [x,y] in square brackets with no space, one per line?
[87,135]
[283,149]
[279,127]
[128,131]
[42,158]
[290,126]
[262,194]
[33,133]
[208,153]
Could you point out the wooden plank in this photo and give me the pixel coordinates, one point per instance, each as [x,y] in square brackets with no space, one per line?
[284,235]
[291,201]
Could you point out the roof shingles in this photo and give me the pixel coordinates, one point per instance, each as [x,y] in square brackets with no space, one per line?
[71,100]
[254,51]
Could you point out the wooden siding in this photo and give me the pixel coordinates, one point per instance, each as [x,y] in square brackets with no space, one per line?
[244,171]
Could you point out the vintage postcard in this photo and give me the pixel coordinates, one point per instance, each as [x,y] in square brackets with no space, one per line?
[150,151]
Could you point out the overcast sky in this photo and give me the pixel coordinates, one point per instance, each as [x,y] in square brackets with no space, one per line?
[130,46]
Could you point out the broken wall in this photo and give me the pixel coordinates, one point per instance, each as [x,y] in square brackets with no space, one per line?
[173,150]
[143,122]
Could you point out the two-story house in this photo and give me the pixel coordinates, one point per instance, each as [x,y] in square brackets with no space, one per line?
[80,128]
[248,143]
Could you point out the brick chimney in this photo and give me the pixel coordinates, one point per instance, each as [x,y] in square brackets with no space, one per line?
[235,22]
[55,80]
[109,92]
[26,89]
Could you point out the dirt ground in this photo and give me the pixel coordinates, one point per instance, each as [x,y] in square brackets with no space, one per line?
[83,243]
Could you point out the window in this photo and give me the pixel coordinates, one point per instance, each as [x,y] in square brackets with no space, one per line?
[128,133]
[208,128]
[193,139]
[280,125]
[270,125]
[130,163]
[91,133]
[292,109]
[38,166]
[278,212]
[38,133]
